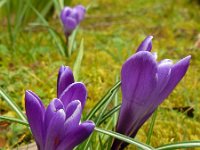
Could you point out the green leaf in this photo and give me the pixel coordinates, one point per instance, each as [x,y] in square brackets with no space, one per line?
[12,104]
[109,113]
[116,102]
[151,127]
[125,139]
[71,41]
[58,5]
[77,64]
[2,2]
[10,119]
[179,145]
[10,30]
[46,9]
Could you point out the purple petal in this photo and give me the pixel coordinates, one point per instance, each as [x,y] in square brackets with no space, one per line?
[122,145]
[78,135]
[65,13]
[73,115]
[70,24]
[130,112]
[65,78]
[138,77]
[52,108]
[73,109]
[35,114]
[164,72]
[177,72]
[146,45]
[55,130]
[131,117]
[38,99]
[81,12]
[71,17]
[75,91]
[74,15]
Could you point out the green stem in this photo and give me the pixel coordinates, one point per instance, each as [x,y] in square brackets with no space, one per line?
[67,53]
[124,138]
[151,127]
[180,145]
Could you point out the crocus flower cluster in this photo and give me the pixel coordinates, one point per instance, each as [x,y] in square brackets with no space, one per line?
[145,83]
[71,17]
[58,126]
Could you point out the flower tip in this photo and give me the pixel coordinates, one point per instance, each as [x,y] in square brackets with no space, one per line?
[146,44]
[88,125]
[186,60]
[28,91]
[28,94]
[81,7]
[150,37]
[62,69]
[189,57]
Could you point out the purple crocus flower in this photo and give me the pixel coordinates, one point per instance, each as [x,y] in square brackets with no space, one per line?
[71,17]
[58,127]
[145,83]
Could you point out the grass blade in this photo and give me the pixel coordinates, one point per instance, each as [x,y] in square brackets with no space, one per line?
[2,2]
[116,102]
[58,6]
[10,119]
[179,145]
[9,22]
[12,104]
[45,10]
[151,127]
[71,41]
[125,139]
[109,113]
[77,64]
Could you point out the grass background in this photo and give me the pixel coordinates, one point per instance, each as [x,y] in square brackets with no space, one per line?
[112,30]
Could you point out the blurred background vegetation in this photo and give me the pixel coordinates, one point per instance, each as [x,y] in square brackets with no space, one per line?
[112,30]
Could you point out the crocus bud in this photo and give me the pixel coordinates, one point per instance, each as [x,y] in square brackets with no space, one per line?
[71,17]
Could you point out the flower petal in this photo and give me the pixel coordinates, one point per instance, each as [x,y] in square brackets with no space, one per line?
[35,114]
[55,130]
[138,77]
[69,24]
[131,117]
[75,91]
[130,113]
[146,45]
[52,108]
[65,78]
[73,115]
[164,72]
[65,13]
[78,135]
[177,72]
[81,12]
[118,143]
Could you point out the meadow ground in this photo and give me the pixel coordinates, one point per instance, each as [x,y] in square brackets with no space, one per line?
[112,30]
